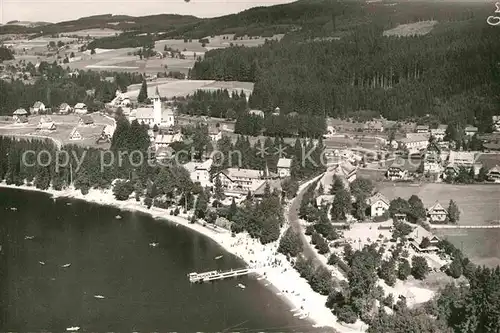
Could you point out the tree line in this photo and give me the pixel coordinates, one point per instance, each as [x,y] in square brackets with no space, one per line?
[398,77]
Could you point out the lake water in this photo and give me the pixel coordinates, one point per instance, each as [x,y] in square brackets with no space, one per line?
[478,204]
[145,288]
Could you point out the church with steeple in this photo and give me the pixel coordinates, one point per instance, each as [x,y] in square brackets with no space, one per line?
[155,114]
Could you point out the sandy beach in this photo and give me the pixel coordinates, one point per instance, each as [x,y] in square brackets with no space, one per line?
[274,267]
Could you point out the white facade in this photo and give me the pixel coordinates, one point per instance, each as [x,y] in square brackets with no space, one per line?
[438,133]
[154,116]
[38,107]
[414,143]
[240,180]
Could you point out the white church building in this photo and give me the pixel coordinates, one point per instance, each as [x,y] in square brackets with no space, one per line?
[155,115]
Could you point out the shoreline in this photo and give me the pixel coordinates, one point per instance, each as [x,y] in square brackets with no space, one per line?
[281,278]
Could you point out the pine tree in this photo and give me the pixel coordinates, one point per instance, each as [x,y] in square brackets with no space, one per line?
[143,93]
[453,212]
[337,185]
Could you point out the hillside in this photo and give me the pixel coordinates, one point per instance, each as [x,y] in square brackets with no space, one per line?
[451,73]
[303,18]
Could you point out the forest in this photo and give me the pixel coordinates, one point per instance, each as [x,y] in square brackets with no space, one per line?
[397,77]
[54,86]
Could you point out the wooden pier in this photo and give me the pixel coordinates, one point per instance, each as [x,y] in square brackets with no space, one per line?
[218,275]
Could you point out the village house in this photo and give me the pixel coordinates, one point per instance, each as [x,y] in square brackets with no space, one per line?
[164,153]
[45,119]
[155,115]
[237,181]
[20,115]
[86,120]
[80,108]
[494,174]
[38,107]
[64,108]
[324,199]
[374,126]
[437,213]
[402,168]
[163,140]
[259,191]
[439,133]
[414,143]
[215,134]
[75,134]
[106,134]
[432,159]
[284,167]
[470,130]
[378,204]
[496,123]
[258,113]
[121,100]
[200,172]
[422,129]
[416,238]
[458,159]
[46,126]
[276,112]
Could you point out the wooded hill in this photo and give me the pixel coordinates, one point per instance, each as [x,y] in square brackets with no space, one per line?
[453,73]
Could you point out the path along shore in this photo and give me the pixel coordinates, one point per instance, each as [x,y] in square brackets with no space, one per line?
[277,270]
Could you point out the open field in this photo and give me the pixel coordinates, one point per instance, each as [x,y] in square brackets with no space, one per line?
[64,126]
[412,29]
[478,204]
[170,88]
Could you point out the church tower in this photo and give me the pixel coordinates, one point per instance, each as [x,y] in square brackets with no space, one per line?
[157,108]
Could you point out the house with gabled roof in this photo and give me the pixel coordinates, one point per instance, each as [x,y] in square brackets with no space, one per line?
[471,130]
[417,236]
[422,129]
[38,107]
[86,120]
[19,114]
[258,113]
[284,167]
[378,204]
[75,134]
[437,213]
[64,108]
[80,108]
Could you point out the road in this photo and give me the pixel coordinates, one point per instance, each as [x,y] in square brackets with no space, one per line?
[293,219]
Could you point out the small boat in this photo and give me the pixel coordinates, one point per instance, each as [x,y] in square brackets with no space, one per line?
[218,257]
[304,316]
[99,296]
[260,278]
[68,203]
[41,263]
[118,217]
[29,237]
[297,314]
[13,208]
[241,286]
[66,266]
[73,329]
[153,244]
